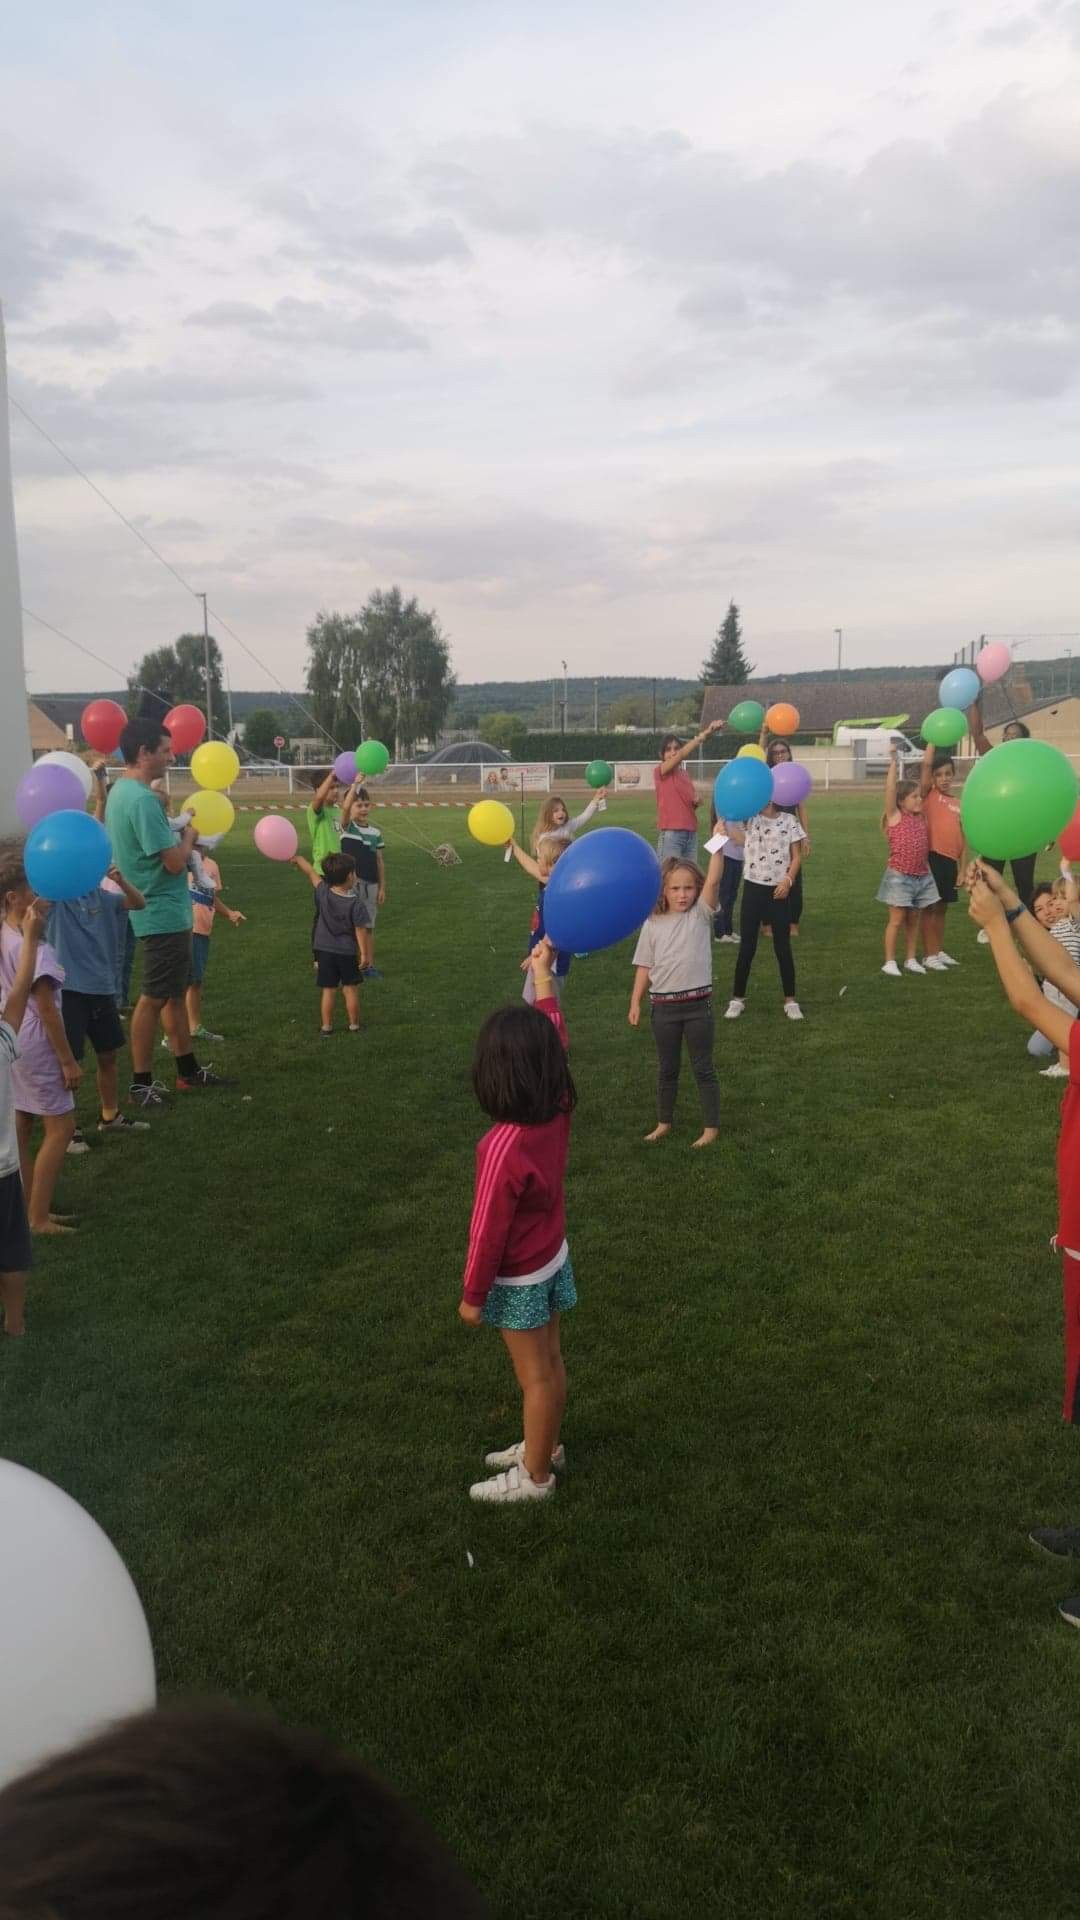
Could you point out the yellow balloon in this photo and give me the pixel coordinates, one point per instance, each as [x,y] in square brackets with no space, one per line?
[749,752]
[211,813]
[491,823]
[214,765]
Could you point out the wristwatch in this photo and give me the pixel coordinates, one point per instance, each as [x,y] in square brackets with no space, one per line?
[1014,913]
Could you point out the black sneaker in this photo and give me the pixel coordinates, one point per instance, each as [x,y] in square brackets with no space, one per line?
[121,1124]
[1070,1610]
[204,1077]
[1063,1541]
[153,1094]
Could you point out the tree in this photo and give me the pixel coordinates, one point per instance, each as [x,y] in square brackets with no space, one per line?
[383,673]
[261,728]
[727,665]
[177,676]
[504,729]
[683,713]
[630,710]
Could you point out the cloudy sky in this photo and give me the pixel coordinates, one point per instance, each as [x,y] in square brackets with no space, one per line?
[574,320]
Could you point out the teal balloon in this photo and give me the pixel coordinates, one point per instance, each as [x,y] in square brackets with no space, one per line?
[1017,798]
[944,727]
[747,717]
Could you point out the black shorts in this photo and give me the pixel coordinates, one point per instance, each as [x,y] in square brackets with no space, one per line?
[93,1017]
[944,872]
[338,969]
[166,965]
[16,1247]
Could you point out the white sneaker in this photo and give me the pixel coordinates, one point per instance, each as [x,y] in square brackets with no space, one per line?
[983,937]
[733,1009]
[511,1486]
[1054,1072]
[934,964]
[892,969]
[729,940]
[914,966]
[793,1010]
[515,1457]
[947,959]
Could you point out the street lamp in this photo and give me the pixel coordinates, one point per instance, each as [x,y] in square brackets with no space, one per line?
[565,695]
[839,632]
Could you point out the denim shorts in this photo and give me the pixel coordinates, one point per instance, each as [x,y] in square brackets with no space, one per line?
[523,1309]
[908,889]
[680,842]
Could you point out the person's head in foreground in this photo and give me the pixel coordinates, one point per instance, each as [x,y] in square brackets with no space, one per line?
[549,850]
[339,870]
[147,746]
[15,891]
[908,797]
[681,882]
[1016,730]
[1047,905]
[520,1069]
[943,772]
[670,745]
[209,1813]
[777,752]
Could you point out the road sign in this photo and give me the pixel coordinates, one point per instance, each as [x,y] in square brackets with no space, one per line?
[279,740]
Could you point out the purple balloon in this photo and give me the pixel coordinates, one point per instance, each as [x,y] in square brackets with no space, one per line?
[48,789]
[345,768]
[790,783]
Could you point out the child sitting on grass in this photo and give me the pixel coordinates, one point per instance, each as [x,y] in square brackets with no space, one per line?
[1055,908]
[46,1072]
[907,887]
[549,851]
[340,918]
[518,1275]
[673,958]
[16,1254]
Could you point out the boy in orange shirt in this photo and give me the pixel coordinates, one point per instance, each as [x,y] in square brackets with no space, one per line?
[941,811]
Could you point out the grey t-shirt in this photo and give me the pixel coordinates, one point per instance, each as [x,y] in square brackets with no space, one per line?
[339,916]
[677,949]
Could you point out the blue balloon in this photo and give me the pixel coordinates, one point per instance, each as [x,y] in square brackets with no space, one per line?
[742,788]
[960,688]
[66,855]
[603,888]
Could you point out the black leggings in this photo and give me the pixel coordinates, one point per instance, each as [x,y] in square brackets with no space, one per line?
[671,1019]
[757,905]
[794,902]
[1023,873]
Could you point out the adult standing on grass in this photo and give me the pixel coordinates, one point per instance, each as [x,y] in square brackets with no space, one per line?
[1023,867]
[677,798]
[151,856]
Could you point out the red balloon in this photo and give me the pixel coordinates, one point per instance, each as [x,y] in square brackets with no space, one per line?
[187,726]
[102,724]
[1069,838]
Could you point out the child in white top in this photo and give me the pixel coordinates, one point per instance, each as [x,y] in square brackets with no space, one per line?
[553,821]
[673,958]
[770,869]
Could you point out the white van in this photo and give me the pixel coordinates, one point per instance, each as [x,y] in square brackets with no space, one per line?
[872,745]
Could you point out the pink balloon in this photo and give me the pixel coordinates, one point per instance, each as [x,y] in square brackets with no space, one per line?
[276,837]
[994,661]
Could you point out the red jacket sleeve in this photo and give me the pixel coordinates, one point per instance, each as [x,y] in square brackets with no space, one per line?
[498,1188]
[553,1012]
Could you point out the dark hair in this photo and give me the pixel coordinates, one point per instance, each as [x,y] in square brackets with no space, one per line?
[209,1813]
[1018,725]
[337,867]
[12,871]
[774,749]
[139,734]
[520,1071]
[942,758]
[1043,886]
[671,740]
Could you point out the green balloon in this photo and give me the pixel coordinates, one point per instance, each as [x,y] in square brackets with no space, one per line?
[372,758]
[1017,798]
[599,773]
[944,727]
[747,717]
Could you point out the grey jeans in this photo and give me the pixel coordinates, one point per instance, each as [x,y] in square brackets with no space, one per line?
[679,842]
[671,1020]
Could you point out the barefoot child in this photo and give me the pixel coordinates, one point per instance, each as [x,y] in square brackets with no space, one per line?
[16,1256]
[340,918]
[46,1071]
[941,811]
[518,1275]
[548,852]
[673,958]
[907,887]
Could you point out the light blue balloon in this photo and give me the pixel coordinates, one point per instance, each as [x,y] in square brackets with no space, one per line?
[66,855]
[742,788]
[960,688]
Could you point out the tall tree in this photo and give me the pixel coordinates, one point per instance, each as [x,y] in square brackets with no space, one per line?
[388,664]
[727,665]
[177,676]
[261,729]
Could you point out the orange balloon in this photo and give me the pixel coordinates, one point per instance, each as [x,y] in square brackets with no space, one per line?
[782,719]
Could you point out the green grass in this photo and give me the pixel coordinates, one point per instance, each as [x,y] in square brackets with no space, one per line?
[779,1647]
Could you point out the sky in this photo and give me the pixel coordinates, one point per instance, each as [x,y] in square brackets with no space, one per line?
[575,322]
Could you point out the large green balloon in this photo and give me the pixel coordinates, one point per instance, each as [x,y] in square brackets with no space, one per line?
[1017,798]
[599,773]
[944,727]
[747,717]
[372,758]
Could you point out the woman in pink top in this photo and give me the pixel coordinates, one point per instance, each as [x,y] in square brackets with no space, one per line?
[677,797]
[908,886]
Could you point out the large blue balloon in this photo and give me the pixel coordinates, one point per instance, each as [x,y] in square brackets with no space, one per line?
[66,855]
[602,889]
[960,688]
[742,788]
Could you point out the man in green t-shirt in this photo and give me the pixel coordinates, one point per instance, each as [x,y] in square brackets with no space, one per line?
[145,845]
[324,820]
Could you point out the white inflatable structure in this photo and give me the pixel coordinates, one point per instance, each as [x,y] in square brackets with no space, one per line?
[14,717]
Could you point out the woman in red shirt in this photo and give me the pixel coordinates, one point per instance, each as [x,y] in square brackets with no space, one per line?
[677,797]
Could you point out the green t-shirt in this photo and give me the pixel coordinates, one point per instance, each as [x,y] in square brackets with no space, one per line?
[139,832]
[325,838]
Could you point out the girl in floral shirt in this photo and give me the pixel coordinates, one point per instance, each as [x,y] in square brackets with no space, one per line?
[771,864]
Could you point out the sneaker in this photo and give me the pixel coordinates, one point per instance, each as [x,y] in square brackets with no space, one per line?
[1062,1541]
[1055,1071]
[792,1010]
[153,1095]
[947,959]
[77,1144]
[204,1077]
[914,966]
[934,964]
[511,1486]
[206,1033]
[733,1009]
[982,937]
[515,1457]
[729,940]
[327,1032]
[891,969]
[121,1124]
[1070,1610]
[373,973]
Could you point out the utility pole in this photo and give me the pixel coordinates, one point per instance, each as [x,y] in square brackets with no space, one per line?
[654,705]
[206,668]
[228,696]
[839,632]
[1068,673]
[554,685]
[596,706]
[565,694]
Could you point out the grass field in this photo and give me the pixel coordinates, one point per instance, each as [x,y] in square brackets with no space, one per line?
[779,1648]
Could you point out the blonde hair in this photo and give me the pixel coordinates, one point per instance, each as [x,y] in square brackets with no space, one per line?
[675,863]
[550,849]
[545,820]
[904,789]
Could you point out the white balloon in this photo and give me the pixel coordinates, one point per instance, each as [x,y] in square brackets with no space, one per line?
[73,764]
[75,1648]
